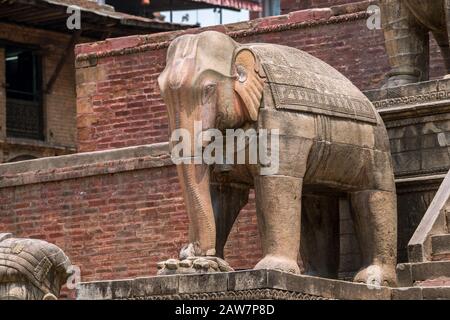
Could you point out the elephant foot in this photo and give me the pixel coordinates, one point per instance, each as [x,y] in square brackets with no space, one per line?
[402,80]
[193,265]
[377,275]
[278,263]
[193,250]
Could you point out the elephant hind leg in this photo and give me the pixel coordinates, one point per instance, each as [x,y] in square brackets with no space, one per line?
[320,235]
[227,200]
[375,218]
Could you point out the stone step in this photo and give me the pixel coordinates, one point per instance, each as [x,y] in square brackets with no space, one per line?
[440,247]
[249,285]
[410,274]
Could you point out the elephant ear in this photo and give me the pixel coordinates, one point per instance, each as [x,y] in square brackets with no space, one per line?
[248,84]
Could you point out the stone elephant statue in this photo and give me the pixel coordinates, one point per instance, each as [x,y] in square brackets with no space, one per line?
[407,25]
[331,144]
[31,269]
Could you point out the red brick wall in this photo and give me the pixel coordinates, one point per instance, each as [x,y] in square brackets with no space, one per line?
[114,219]
[115,226]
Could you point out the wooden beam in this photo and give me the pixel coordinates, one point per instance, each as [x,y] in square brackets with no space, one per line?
[70,47]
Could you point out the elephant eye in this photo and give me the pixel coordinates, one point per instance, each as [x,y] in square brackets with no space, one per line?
[242,74]
[208,91]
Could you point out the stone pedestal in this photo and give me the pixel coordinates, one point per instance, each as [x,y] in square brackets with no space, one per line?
[247,285]
[417,118]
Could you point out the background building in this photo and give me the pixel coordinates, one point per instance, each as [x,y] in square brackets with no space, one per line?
[37,74]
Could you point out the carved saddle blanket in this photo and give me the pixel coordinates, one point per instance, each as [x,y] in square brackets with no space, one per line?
[301,82]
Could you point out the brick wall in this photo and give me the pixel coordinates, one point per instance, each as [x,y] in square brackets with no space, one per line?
[115,214]
[59,105]
[2,95]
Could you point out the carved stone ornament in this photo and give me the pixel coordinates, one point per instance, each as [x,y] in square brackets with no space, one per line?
[31,269]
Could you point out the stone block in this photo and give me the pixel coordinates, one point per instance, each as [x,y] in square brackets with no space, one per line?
[407,294]
[440,244]
[437,159]
[250,284]
[326,288]
[436,293]
[404,275]
[406,162]
[430,270]
[105,290]
[242,280]
[211,282]
[155,286]
[376,95]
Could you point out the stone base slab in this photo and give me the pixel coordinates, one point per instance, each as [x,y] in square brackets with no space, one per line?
[248,285]
[409,274]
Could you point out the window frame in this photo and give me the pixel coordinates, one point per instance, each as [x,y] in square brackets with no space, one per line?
[38,93]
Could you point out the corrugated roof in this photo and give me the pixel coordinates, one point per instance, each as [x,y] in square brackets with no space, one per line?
[136,6]
[96,20]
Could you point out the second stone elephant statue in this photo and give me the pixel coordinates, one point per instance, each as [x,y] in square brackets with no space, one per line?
[407,25]
[31,269]
[332,144]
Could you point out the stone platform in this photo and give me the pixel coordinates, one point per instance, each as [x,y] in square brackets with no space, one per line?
[248,285]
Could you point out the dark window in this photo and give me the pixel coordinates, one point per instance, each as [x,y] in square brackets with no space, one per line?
[23,93]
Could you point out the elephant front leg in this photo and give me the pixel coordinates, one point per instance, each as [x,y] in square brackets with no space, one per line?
[227,201]
[375,218]
[278,206]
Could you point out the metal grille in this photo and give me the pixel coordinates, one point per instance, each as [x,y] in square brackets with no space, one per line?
[23,119]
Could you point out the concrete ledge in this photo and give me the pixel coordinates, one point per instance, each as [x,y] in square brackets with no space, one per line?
[251,284]
[409,274]
[84,164]
[413,100]
[88,164]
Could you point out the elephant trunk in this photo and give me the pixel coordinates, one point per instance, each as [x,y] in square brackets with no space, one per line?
[194,179]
